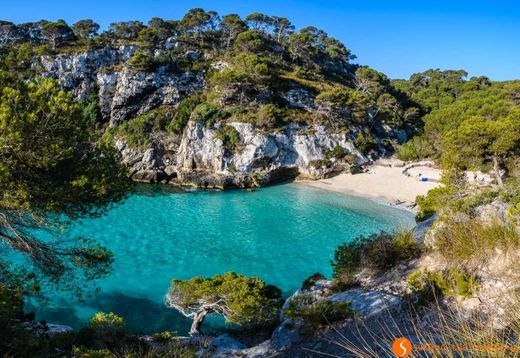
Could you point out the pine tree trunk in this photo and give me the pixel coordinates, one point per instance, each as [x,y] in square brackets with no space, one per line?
[197,322]
[496,169]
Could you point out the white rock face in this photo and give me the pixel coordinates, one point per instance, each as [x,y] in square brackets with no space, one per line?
[199,154]
[199,150]
[289,148]
[123,92]
[78,72]
[128,93]
[300,98]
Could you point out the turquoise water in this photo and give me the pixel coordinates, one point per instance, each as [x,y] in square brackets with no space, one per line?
[281,233]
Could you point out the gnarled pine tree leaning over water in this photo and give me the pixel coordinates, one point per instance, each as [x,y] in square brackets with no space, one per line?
[243,301]
[52,169]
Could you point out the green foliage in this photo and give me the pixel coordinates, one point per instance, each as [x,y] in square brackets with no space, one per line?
[269,115]
[464,119]
[91,111]
[18,59]
[11,305]
[136,132]
[107,322]
[68,168]
[56,33]
[247,75]
[208,114]
[355,169]
[337,152]
[429,285]
[241,300]
[364,143]
[415,149]
[163,337]
[229,136]
[317,313]
[314,47]
[52,163]
[85,29]
[125,30]
[319,163]
[476,140]
[82,352]
[249,41]
[183,113]
[142,60]
[377,252]
[431,203]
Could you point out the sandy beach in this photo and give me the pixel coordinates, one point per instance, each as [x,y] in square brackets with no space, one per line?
[382,183]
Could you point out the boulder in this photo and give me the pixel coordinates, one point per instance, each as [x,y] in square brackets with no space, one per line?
[367,302]
[221,346]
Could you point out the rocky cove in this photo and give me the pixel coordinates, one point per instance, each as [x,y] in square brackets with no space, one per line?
[293,270]
[195,156]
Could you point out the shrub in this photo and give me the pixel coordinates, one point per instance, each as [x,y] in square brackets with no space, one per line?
[163,337]
[355,169]
[229,136]
[364,143]
[317,313]
[269,115]
[142,60]
[136,131]
[456,196]
[377,252]
[82,352]
[107,322]
[91,111]
[306,74]
[319,163]
[183,113]
[208,114]
[469,242]
[428,285]
[336,152]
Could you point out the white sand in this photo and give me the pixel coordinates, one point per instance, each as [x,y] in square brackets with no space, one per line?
[381,183]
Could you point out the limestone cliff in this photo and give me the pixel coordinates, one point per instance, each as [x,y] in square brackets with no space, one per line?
[197,156]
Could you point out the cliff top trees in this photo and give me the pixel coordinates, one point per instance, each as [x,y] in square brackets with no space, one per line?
[56,33]
[241,300]
[126,30]
[197,21]
[51,169]
[85,29]
[231,25]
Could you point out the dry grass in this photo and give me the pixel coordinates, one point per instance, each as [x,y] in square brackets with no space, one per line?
[436,332]
[470,242]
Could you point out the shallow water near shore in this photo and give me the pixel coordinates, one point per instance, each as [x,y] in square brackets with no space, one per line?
[282,234]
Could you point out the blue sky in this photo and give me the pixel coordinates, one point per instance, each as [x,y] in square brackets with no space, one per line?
[395,37]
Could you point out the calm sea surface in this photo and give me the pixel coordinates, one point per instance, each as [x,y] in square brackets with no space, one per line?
[281,233]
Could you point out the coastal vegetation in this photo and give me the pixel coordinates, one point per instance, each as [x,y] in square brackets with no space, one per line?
[377,252]
[243,301]
[58,163]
